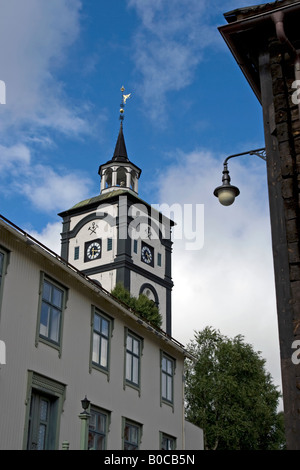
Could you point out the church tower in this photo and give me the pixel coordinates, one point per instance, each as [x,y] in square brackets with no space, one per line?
[116,237]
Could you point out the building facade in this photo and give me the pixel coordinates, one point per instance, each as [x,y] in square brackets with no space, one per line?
[64,337]
[265,41]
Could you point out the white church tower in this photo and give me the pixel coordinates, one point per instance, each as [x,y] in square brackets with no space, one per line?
[117,237]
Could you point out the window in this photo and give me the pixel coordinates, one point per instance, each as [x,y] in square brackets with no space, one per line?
[44,407]
[133,355]
[135,246]
[39,423]
[167,375]
[98,429]
[167,442]
[1,267]
[101,333]
[76,252]
[4,260]
[51,309]
[131,435]
[109,244]
[158,259]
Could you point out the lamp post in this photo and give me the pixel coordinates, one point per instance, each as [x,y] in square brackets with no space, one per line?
[226,193]
[84,416]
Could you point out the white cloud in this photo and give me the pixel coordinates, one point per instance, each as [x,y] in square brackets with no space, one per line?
[49,236]
[229,283]
[46,188]
[168,47]
[49,190]
[14,155]
[35,35]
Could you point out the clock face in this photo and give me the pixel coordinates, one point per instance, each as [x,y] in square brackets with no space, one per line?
[147,254]
[92,250]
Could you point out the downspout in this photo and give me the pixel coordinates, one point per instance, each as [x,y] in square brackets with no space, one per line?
[278,18]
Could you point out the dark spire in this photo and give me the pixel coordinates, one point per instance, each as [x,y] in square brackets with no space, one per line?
[120,153]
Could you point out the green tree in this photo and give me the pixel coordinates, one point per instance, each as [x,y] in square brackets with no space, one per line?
[230,395]
[145,307]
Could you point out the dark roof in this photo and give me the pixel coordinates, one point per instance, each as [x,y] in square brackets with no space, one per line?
[249,30]
[120,153]
[242,13]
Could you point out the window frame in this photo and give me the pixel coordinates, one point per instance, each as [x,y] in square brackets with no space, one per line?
[110,320]
[5,263]
[100,411]
[55,392]
[40,337]
[168,358]
[133,424]
[127,382]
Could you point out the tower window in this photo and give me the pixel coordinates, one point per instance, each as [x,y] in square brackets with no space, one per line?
[158,259]
[135,246]
[109,244]
[76,252]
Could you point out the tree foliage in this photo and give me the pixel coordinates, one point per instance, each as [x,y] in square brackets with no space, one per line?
[145,307]
[230,395]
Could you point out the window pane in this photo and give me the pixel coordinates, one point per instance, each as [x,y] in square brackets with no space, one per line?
[43,410]
[128,366]
[41,437]
[129,343]
[55,321]
[104,352]
[47,291]
[92,422]
[136,349]
[170,367]
[96,346]
[135,370]
[44,323]
[164,363]
[101,422]
[164,385]
[169,388]
[104,327]
[57,296]
[97,323]
[100,443]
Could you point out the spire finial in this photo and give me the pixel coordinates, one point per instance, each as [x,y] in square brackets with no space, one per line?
[124,99]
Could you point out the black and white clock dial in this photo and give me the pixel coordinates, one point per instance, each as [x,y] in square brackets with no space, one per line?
[93,250]
[147,254]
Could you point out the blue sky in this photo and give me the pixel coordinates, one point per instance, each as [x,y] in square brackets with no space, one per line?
[64,62]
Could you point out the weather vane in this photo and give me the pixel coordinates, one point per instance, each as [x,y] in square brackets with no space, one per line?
[124,99]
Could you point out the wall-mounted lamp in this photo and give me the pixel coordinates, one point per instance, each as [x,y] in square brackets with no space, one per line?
[227,193]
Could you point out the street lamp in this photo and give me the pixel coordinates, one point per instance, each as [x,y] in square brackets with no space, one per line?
[85,403]
[227,193]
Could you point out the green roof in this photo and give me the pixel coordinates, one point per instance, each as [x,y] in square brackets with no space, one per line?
[100,198]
